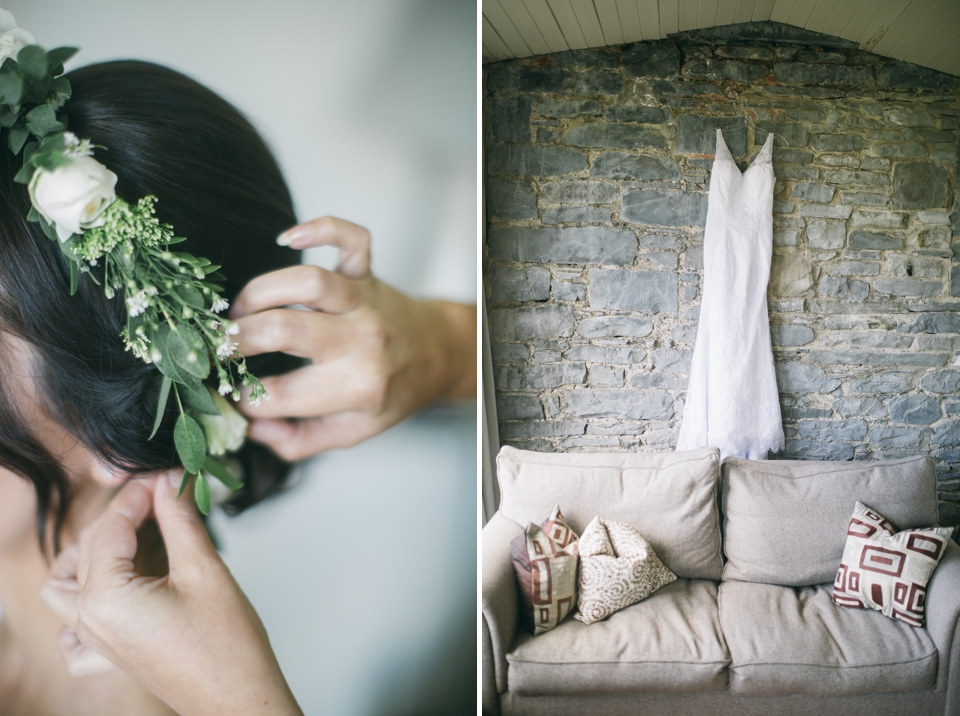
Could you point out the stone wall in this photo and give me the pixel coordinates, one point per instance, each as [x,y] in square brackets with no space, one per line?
[597,167]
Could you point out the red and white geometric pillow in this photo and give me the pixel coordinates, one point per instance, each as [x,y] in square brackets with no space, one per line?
[545,562]
[886,570]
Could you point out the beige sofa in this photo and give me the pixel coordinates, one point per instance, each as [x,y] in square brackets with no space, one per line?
[749,626]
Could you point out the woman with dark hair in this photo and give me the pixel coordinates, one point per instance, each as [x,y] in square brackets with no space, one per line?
[77,409]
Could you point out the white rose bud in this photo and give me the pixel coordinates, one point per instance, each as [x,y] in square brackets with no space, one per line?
[74,195]
[12,38]
[225,431]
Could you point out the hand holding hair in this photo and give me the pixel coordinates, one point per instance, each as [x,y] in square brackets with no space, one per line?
[191,637]
[378,355]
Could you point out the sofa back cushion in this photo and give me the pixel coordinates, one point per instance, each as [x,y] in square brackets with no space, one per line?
[671,498]
[785,521]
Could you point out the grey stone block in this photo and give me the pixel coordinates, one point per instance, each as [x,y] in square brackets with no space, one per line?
[664,381]
[658,241]
[510,119]
[813,192]
[894,437]
[745,53]
[792,156]
[617,165]
[576,214]
[509,353]
[605,354]
[941,381]
[846,177]
[587,58]
[526,284]
[724,70]
[790,275]
[672,360]
[947,433]
[874,240]
[899,150]
[836,58]
[554,80]
[543,375]
[693,257]
[883,383]
[664,208]
[568,291]
[880,219]
[907,75]
[855,268]
[814,450]
[826,234]
[697,135]
[638,114]
[579,192]
[838,142]
[859,407]
[684,333]
[826,211]
[796,377]
[581,245]
[793,133]
[867,358]
[854,122]
[915,266]
[864,198]
[933,323]
[852,429]
[806,73]
[828,305]
[627,290]
[839,287]
[549,321]
[568,108]
[908,287]
[914,409]
[519,407]
[898,116]
[605,376]
[920,185]
[510,199]
[616,136]
[794,171]
[668,91]
[636,404]
[535,160]
[788,335]
[608,326]
[546,428]
[649,60]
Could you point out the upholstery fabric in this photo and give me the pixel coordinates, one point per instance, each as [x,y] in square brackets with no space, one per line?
[784,640]
[617,568]
[545,562]
[670,497]
[785,522]
[670,641]
[499,604]
[886,570]
[943,621]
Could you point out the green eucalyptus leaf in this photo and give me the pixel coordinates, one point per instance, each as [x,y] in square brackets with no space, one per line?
[33,63]
[29,150]
[176,240]
[212,268]
[37,92]
[11,88]
[9,64]
[199,401]
[167,365]
[60,55]
[25,174]
[9,115]
[48,229]
[16,138]
[184,481]
[190,442]
[189,351]
[191,296]
[33,216]
[201,493]
[74,278]
[42,120]
[220,471]
[56,70]
[60,90]
[161,404]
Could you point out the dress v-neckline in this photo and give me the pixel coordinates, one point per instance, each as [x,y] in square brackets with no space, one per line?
[764,156]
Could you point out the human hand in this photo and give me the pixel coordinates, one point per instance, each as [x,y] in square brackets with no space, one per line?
[190,637]
[378,355]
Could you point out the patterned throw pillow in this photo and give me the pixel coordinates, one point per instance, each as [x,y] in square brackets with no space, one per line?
[886,570]
[545,560]
[617,568]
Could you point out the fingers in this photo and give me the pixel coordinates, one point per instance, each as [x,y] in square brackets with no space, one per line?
[308,285]
[81,660]
[352,240]
[183,532]
[296,440]
[321,389]
[109,550]
[307,334]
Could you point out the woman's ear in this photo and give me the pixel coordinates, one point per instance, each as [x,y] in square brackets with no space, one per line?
[108,475]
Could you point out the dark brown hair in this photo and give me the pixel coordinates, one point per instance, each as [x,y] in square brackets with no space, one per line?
[217,184]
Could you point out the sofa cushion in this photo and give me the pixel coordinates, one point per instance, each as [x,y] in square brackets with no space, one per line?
[786,640]
[669,497]
[671,641]
[785,522]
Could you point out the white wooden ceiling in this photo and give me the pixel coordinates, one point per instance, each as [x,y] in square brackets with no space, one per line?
[926,32]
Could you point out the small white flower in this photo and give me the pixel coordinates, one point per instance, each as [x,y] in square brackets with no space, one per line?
[219,305]
[225,387]
[225,431]
[138,303]
[226,349]
[73,196]
[12,38]
[232,329]
[77,147]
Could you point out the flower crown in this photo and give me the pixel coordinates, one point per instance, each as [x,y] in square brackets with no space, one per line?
[173,298]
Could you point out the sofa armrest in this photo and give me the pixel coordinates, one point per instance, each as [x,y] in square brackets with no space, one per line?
[499,604]
[942,606]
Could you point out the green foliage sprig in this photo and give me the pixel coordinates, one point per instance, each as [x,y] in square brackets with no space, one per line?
[173,299]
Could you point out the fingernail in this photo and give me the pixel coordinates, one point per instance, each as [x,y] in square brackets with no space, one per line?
[174,477]
[283,239]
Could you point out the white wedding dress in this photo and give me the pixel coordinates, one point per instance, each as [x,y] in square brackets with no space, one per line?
[732,400]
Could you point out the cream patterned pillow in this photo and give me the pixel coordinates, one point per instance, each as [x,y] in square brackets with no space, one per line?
[888,571]
[617,568]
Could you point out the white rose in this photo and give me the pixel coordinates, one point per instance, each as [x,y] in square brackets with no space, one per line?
[74,195]
[226,431]
[12,38]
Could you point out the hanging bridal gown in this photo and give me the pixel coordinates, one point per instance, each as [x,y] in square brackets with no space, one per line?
[732,400]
